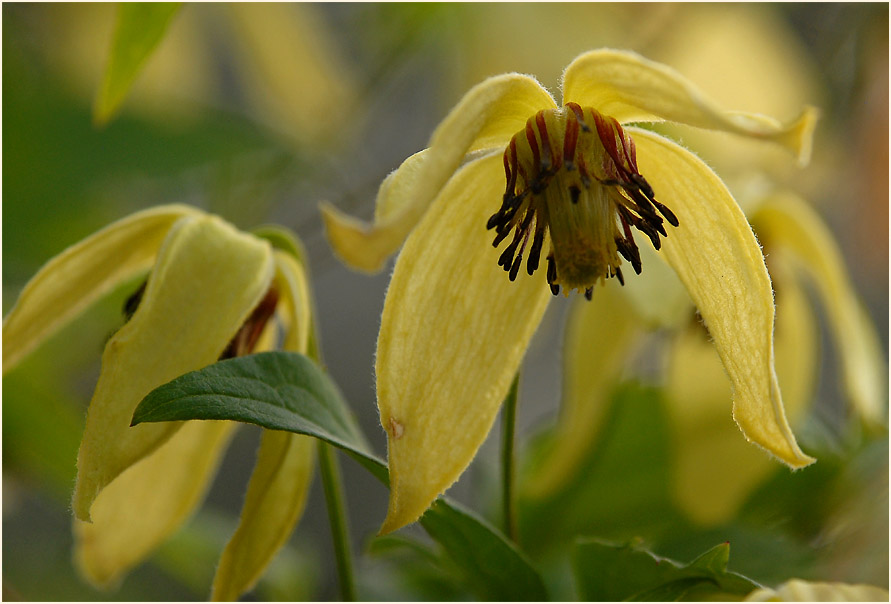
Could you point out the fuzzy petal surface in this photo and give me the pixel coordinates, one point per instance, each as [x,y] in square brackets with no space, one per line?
[67,284]
[488,115]
[207,279]
[719,261]
[706,441]
[274,502]
[792,226]
[148,502]
[797,590]
[600,336]
[453,333]
[633,89]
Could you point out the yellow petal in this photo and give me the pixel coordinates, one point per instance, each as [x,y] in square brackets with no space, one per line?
[719,261]
[632,89]
[66,285]
[274,502]
[207,279]
[600,336]
[487,116]
[294,305]
[796,590]
[789,224]
[706,439]
[280,482]
[148,502]
[453,332]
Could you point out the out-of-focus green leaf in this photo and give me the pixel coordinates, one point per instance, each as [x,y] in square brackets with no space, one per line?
[621,488]
[612,572]
[140,27]
[287,391]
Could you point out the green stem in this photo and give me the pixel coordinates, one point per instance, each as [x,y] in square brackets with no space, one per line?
[509,424]
[330,471]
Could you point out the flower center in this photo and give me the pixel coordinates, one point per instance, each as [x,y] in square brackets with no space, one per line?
[572,173]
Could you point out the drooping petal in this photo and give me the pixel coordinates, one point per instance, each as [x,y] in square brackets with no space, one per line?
[790,225]
[71,281]
[453,332]
[706,440]
[797,590]
[600,336]
[279,485]
[148,502]
[206,281]
[487,116]
[274,502]
[633,89]
[717,257]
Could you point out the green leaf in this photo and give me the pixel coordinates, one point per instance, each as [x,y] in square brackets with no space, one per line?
[140,27]
[613,572]
[287,391]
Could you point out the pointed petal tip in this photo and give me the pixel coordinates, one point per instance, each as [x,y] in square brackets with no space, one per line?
[800,136]
[357,243]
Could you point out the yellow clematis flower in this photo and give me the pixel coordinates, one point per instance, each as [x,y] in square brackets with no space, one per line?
[454,330]
[798,247]
[797,590]
[212,292]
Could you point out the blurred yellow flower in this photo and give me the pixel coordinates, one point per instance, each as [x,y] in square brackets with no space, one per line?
[212,292]
[798,246]
[454,331]
[797,590]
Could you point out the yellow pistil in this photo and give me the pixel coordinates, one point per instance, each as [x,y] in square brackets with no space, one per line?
[572,172]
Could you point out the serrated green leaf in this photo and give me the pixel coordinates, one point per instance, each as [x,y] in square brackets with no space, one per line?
[612,572]
[288,391]
[140,27]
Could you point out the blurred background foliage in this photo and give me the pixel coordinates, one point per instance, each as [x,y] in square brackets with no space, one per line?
[257,112]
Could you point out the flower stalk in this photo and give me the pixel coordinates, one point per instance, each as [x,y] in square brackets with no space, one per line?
[508,437]
[334,502]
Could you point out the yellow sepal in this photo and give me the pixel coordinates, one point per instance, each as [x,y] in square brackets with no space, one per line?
[705,440]
[487,116]
[789,224]
[719,261]
[207,279]
[66,285]
[600,336]
[148,502]
[279,485]
[453,332]
[633,89]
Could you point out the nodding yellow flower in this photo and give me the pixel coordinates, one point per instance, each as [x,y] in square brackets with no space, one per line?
[212,292]
[573,179]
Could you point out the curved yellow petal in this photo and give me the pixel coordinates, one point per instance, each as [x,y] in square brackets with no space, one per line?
[706,441]
[487,116]
[207,279]
[67,284]
[788,223]
[274,502]
[600,336]
[453,333]
[279,485]
[797,590]
[717,257]
[633,89]
[148,502]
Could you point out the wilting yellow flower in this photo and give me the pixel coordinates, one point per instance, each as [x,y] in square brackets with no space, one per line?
[454,329]
[212,292]
[797,590]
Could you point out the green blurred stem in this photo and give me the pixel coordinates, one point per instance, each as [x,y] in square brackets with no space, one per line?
[334,500]
[509,425]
